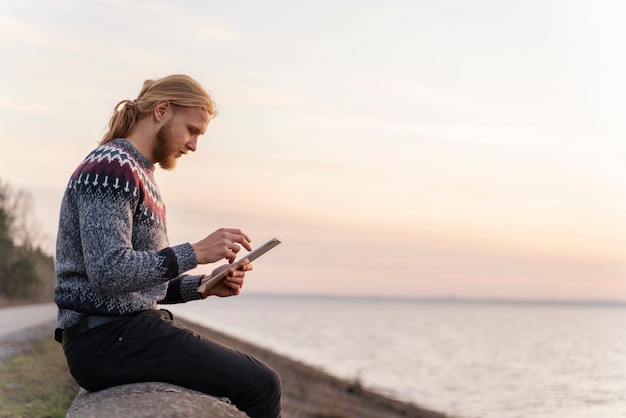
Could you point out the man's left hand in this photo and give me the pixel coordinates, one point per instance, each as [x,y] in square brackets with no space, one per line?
[231,285]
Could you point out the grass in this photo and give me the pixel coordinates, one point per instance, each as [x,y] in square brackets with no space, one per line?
[37,383]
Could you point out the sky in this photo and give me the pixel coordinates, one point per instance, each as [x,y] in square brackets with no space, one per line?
[472,149]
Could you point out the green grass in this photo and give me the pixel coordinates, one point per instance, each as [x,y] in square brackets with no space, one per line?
[37,383]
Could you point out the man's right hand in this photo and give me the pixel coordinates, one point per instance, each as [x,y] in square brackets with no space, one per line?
[223,243]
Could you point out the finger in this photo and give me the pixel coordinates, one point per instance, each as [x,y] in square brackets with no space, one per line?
[246,245]
[235,272]
[235,231]
[245,265]
[242,239]
[235,283]
[236,276]
[234,247]
[229,254]
[245,237]
[237,235]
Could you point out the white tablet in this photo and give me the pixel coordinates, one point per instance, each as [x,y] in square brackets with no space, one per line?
[213,280]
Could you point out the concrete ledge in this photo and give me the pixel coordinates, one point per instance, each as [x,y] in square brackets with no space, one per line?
[152,399]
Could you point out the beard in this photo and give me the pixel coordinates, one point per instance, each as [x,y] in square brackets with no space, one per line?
[164,152]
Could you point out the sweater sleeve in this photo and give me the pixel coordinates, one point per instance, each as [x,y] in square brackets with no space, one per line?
[120,227]
[182,289]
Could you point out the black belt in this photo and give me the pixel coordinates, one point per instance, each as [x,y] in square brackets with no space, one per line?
[86,323]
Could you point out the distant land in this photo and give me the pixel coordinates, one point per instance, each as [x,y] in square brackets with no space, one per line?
[447,299]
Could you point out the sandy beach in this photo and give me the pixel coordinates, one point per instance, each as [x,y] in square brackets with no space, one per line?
[310,393]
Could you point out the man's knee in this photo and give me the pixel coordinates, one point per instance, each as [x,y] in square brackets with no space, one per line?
[273,382]
[268,382]
[267,393]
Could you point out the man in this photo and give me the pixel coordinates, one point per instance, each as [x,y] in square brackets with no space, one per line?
[114,263]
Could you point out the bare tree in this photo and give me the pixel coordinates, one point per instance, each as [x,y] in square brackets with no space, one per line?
[19,256]
[18,206]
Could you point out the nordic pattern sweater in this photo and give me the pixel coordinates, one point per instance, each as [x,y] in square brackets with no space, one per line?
[112,251]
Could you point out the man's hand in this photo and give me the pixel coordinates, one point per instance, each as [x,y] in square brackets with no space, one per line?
[223,243]
[231,285]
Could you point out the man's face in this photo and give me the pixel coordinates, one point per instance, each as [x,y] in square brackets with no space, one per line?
[179,135]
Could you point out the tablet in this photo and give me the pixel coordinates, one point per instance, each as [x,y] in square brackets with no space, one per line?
[213,280]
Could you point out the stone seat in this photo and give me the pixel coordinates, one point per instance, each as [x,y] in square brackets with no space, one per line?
[151,399]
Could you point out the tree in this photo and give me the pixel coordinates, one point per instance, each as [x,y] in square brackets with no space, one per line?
[21,226]
[18,254]
[6,249]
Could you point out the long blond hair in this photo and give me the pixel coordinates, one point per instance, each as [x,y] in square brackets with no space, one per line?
[178,89]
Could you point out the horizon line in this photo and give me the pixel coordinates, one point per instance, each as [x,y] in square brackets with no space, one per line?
[450,298]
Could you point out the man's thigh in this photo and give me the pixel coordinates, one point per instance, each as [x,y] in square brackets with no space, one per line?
[152,347]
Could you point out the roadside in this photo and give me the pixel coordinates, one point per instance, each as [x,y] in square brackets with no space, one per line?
[34,380]
[21,341]
[23,326]
[21,317]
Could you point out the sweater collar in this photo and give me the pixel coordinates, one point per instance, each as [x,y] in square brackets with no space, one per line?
[130,148]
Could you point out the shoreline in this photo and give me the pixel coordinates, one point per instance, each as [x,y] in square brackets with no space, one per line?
[307,391]
[312,393]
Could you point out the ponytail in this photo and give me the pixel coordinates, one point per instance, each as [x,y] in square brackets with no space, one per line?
[178,89]
[125,114]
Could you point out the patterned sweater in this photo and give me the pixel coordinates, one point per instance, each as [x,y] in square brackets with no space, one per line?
[112,253]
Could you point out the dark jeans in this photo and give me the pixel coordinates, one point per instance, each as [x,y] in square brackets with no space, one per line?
[150,346]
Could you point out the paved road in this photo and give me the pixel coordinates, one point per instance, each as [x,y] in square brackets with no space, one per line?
[23,326]
[18,318]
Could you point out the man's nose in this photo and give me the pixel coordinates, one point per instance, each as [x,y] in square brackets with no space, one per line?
[192,144]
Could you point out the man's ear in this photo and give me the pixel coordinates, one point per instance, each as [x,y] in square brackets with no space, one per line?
[161,109]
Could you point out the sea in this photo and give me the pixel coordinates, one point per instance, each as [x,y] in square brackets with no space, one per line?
[469,359]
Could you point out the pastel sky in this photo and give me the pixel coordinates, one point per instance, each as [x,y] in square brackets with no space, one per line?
[397,148]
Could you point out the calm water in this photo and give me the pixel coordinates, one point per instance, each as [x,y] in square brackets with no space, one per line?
[466,359]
